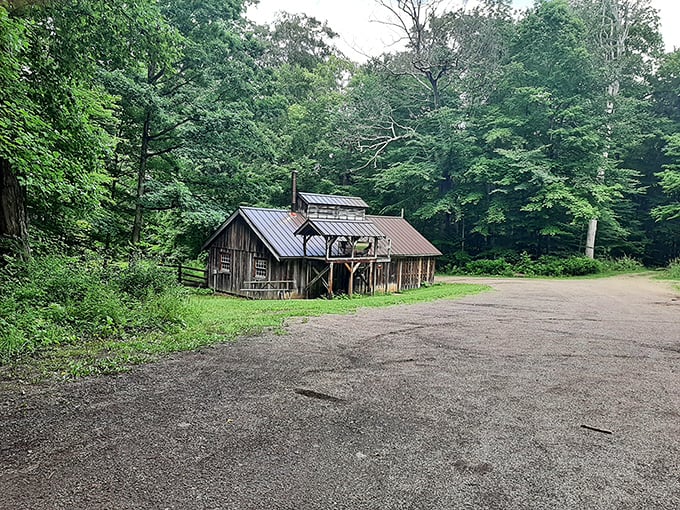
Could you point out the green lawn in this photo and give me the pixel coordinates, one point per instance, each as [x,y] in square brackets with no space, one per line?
[210,320]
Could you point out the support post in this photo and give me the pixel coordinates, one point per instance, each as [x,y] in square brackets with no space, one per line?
[372,279]
[400,266]
[350,289]
[330,280]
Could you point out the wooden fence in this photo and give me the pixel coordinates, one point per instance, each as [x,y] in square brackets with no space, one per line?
[190,276]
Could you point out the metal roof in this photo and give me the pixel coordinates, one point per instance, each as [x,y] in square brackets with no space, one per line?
[339,228]
[317,199]
[406,240]
[277,227]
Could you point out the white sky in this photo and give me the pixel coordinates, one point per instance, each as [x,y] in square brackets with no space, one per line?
[360,35]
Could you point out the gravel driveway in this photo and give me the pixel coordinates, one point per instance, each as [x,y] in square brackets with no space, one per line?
[476,403]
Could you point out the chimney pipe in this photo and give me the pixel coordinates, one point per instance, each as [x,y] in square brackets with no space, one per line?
[293,203]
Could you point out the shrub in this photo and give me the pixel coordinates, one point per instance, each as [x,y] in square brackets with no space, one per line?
[525,265]
[454,263]
[580,266]
[548,265]
[622,264]
[673,269]
[506,254]
[58,300]
[144,277]
[498,267]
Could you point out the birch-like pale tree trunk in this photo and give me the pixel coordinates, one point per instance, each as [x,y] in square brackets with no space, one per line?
[614,21]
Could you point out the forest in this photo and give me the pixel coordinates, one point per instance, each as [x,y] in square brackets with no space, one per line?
[517,142]
[136,127]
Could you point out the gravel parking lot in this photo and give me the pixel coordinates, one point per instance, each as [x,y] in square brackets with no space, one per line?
[476,403]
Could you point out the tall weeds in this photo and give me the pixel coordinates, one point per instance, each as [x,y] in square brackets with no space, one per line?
[57,300]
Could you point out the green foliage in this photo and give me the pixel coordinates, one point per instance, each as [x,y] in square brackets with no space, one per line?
[624,264]
[181,111]
[513,264]
[672,272]
[208,319]
[581,266]
[143,279]
[58,300]
[489,267]
[669,180]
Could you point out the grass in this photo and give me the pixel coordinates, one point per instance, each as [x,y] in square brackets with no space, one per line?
[211,320]
[672,272]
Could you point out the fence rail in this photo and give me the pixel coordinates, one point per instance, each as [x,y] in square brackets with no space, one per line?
[189,276]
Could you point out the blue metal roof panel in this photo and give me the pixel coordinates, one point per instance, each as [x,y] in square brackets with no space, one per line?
[343,228]
[318,199]
[276,227]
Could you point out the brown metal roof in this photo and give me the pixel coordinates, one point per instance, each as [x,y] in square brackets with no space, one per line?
[406,240]
[318,199]
[339,228]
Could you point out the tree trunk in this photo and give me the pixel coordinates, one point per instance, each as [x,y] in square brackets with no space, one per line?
[141,177]
[590,239]
[436,96]
[13,217]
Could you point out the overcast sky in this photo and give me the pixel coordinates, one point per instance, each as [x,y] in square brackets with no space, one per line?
[354,20]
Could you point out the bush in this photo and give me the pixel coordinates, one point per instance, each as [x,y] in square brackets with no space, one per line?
[57,300]
[623,264]
[673,270]
[506,254]
[546,265]
[454,263]
[580,266]
[143,278]
[498,267]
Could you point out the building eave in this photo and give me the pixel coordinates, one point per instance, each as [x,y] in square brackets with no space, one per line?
[236,214]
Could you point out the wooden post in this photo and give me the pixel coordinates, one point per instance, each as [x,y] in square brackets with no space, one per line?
[420,271]
[351,278]
[373,277]
[330,280]
[179,272]
[400,266]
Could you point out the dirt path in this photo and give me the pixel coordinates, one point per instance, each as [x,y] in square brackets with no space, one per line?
[477,403]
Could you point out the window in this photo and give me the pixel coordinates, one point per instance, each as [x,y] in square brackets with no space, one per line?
[225,262]
[260,269]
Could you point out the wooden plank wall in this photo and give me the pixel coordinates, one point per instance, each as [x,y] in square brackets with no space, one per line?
[405,273]
[244,246]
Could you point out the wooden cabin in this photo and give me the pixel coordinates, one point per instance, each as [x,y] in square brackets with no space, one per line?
[324,245]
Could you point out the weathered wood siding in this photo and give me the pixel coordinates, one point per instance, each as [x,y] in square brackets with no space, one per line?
[244,247]
[404,273]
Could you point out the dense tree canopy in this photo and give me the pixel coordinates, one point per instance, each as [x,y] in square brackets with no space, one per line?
[140,125]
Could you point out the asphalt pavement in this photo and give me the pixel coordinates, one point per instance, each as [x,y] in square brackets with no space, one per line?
[545,394]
